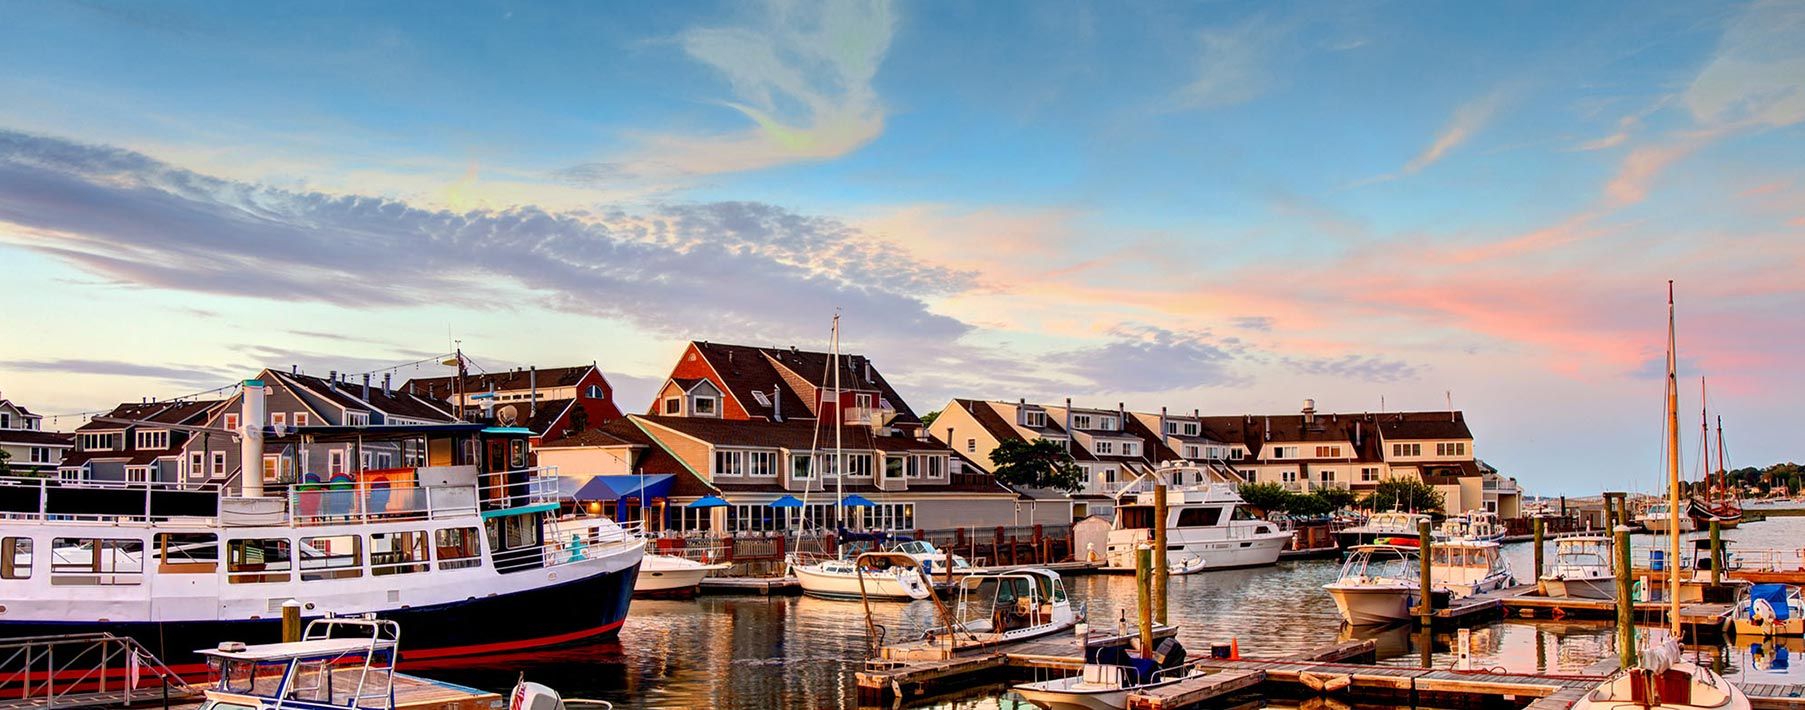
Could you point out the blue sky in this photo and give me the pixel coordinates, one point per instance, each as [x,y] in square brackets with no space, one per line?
[1229,206]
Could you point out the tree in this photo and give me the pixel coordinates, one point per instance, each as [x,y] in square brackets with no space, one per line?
[1266,497]
[1309,505]
[1405,494]
[927,420]
[1337,498]
[6,469]
[1036,464]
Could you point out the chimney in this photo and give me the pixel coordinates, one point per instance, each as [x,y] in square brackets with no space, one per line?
[332,379]
[1068,425]
[366,387]
[385,384]
[868,378]
[532,382]
[1356,434]
[776,403]
[1162,423]
[410,386]
[294,369]
[1309,412]
[1122,416]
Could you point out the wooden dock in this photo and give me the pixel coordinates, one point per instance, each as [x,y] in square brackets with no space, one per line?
[411,693]
[757,586]
[1700,620]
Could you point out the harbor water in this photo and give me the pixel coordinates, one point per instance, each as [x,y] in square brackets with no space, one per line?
[781,652]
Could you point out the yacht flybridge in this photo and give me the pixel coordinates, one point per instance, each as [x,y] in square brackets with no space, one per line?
[466,551]
[1207,526]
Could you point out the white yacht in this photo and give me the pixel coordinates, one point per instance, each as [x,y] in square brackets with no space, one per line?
[933,560]
[1469,567]
[877,576]
[1207,527]
[669,575]
[1479,525]
[1394,526]
[1655,520]
[1099,686]
[1378,584]
[1582,568]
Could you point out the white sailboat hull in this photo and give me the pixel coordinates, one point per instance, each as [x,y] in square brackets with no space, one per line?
[664,574]
[827,585]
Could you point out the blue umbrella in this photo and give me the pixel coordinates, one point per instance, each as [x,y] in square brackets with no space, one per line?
[786,502]
[856,501]
[709,502]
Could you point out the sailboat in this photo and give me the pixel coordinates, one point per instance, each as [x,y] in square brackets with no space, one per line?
[1662,677]
[1720,505]
[876,578]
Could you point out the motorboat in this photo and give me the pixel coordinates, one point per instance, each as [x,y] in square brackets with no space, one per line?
[1582,568]
[1663,679]
[1207,521]
[1393,526]
[997,608]
[1379,584]
[933,560]
[877,576]
[1655,519]
[1769,610]
[669,575]
[1478,525]
[1469,567]
[1106,683]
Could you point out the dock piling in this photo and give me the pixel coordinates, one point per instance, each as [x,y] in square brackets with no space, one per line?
[1717,553]
[1143,570]
[291,621]
[1425,544]
[1161,573]
[1626,606]
[1536,530]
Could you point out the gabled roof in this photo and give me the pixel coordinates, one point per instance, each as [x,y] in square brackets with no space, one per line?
[547,414]
[508,380]
[324,389]
[745,369]
[34,437]
[350,396]
[152,413]
[20,408]
[1422,425]
[796,435]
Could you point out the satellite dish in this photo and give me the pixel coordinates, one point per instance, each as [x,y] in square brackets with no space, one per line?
[507,416]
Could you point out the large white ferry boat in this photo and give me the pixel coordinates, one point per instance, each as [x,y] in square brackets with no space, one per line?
[1206,524]
[470,556]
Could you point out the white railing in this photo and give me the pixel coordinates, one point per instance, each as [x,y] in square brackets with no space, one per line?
[84,670]
[23,498]
[573,541]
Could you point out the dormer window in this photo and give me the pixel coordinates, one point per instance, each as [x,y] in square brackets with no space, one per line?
[673,406]
[1081,421]
[1109,423]
[1131,448]
[595,392]
[153,440]
[1191,429]
[1106,447]
[6,420]
[1034,418]
[357,419]
[705,407]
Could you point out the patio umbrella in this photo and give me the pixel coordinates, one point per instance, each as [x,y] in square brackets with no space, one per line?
[786,502]
[709,502]
[856,501]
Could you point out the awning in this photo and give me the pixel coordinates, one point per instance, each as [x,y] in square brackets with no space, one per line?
[615,488]
[709,502]
[856,501]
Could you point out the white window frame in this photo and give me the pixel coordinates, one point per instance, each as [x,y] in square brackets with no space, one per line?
[1131,448]
[278,419]
[761,398]
[230,421]
[1081,421]
[335,462]
[862,401]
[1034,419]
[301,419]
[971,445]
[671,411]
[729,463]
[1106,448]
[147,439]
[706,406]
[217,469]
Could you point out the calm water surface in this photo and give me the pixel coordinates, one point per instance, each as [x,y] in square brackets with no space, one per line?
[755,652]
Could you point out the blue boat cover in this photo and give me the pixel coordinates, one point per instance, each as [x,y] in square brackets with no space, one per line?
[1775,594]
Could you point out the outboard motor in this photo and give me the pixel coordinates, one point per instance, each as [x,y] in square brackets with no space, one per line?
[1169,653]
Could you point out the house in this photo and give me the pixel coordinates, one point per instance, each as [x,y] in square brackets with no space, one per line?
[292,400]
[555,402]
[137,442]
[754,425]
[29,448]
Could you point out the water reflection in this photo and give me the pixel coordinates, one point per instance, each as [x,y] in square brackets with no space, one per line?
[756,652]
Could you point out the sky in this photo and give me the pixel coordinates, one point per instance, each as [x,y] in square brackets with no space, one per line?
[1220,206]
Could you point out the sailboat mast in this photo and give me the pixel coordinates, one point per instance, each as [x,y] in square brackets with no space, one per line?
[1723,472]
[1704,454]
[839,451]
[1673,474]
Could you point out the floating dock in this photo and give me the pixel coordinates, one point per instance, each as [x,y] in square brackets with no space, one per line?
[752,586]
[411,693]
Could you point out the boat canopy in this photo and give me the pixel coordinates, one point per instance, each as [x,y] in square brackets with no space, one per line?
[1775,596]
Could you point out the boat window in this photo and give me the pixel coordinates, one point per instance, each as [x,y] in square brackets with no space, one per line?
[1134,517]
[331,557]
[458,548]
[187,553]
[15,558]
[258,561]
[1199,517]
[1242,513]
[103,561]
[398,553]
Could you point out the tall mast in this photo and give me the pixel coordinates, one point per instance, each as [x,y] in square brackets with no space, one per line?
[1673,475]
[839,452]
[1704,454]
[1723,472]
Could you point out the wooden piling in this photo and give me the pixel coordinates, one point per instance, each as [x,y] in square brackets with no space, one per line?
[1535,528]
[1425,575]
[1717,553]
[1162,562]
[1143,572]
[1626,603]
[291,621]
[949,565]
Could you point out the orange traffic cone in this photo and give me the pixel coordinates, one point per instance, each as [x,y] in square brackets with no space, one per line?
[1234,648]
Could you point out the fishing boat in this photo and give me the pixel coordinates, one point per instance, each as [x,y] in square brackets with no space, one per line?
[1469,567]
[1661,677]
[468,549]
[1005,607]
[1478,525]
[672,576]
[1393,525]
[877,576]
[1769,610]
[1207,522]
[1379,584]
[1582,568]
[1106,684]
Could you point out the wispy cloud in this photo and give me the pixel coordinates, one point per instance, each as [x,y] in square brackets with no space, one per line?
[185,375]
[801,73]
[1144,358]
[1757,76]
[1469,118]
[1364,368]
[1234,64]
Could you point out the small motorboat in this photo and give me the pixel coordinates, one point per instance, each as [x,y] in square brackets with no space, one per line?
[1582,568]
[1107,683]
[1769,610]
[1378,584]
[1004,607]
[933,560]
[877,576]
[1394,525]
[1472,525]
[1188,565]
[1469,567]
[1663,680]
[668,575]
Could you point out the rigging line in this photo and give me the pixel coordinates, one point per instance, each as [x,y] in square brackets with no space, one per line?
[180,398]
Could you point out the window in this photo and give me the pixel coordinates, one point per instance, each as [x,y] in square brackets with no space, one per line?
[398,553]
[1190,451]
[102,561]
[895,467]
[1406,449]
[335,461]
[858,465]
[187,553]
[232,420]
[1284,452]
[219,464]
[1131,448]
[705,406]
[155,440]
[273,468]
[1253,476]
[1191,429]
[971,446]
[761,399]
[301,419]
[1328,452]
[729,463]
[1453,449]
[862,401]
[595,392]
[457,548]
[1235,454]
[1109,423]
[799,466]
[762,464]
[1081,421]
[673,405]
[278,419]
[41,454]
[1109,475]
[1034,418]
[258,561]
[331,557]
[137,474]
[96,442]
[6,420]
[1327,475]
[1106,448]
[15,558]
[1288,476]
[1369,474]
[1199,517]
[933,466]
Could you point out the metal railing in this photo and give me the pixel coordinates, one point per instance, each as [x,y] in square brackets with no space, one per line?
[50,499]
[365,501]
[82,670]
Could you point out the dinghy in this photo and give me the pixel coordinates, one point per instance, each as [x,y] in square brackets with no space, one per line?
[1769,610]
[1106,683]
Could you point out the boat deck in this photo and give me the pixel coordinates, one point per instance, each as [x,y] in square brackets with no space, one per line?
[411,693]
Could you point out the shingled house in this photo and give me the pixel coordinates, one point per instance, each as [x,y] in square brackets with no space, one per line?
[555,402]
[136,442]
[30,449]
[754,425]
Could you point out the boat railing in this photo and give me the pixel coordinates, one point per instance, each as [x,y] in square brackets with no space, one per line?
[51,499]
[1766,559]
[376,501]
[573,541]
[83,670]
[705,554]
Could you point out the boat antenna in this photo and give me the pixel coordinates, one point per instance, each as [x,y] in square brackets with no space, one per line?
[1673,474]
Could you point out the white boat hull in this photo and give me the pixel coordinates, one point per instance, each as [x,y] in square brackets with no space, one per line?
[1225,553]
[1581,587]
[1373,606]
[1067,700]
[664,574]
[877,587]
